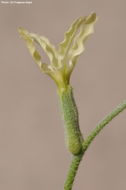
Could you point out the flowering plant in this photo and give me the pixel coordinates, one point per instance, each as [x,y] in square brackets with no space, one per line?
[62,62]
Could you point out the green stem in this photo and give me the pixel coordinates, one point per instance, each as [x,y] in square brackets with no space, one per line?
[103,123]
[72,171]
[76,159]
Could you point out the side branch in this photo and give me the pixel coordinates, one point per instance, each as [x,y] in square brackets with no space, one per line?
[102,124]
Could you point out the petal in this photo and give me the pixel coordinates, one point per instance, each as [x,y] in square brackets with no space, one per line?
[69,36]
[86,29]
[30,40]
[30,45]
[47,47]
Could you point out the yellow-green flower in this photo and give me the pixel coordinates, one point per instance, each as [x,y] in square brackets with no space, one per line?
[63,58]
[62,62]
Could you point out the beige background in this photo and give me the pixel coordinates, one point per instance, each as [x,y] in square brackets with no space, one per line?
[32,151]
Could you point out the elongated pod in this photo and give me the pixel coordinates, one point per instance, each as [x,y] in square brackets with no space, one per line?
[73,136]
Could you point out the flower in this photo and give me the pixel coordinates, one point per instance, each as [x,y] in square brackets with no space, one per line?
[63,58]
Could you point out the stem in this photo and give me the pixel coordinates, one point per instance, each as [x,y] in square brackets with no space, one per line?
[72,171]
[102,124]
[76,159]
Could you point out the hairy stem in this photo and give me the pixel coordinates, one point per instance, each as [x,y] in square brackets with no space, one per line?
[103,123]
[76,159]
[72,171]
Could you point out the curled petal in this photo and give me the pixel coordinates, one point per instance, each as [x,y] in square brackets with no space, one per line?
[47,47]
[31,39]
[31,46]
[79,41]
[69,36]
[75,37]
[86,29]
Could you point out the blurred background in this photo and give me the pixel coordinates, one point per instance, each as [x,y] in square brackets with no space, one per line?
[32,151]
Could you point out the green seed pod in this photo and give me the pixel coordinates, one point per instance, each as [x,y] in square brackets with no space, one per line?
[73,136]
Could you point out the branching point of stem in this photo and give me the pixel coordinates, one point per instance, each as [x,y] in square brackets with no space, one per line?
[77,159]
